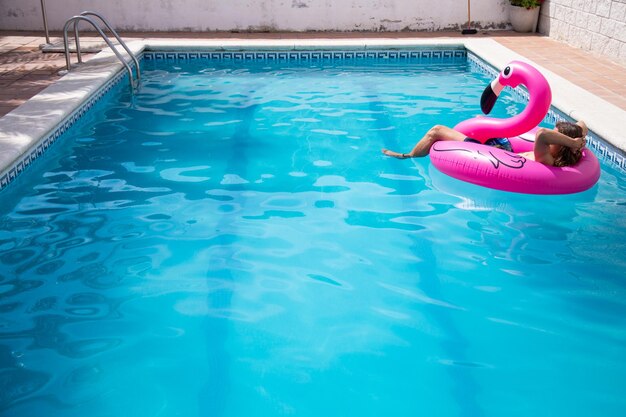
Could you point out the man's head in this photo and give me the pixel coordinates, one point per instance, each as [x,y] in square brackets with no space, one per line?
[563,155]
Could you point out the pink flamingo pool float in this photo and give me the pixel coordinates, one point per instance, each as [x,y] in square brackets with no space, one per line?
[496,168]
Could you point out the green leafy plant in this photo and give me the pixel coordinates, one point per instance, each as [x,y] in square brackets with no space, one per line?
[528,4]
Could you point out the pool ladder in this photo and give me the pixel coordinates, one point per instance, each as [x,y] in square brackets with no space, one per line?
[84,16]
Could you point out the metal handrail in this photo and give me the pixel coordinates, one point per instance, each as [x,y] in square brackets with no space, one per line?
[106,23]
[45,21]
[75,20]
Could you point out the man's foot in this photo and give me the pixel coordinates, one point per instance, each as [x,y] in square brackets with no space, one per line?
[396,154]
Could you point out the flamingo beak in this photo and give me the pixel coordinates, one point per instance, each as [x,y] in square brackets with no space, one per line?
[490,96]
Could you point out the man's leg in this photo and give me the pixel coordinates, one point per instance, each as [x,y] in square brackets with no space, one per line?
[437,132]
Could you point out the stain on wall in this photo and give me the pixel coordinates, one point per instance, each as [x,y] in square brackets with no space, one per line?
[15,13]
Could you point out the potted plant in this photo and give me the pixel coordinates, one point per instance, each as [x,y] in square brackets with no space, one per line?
[524,14]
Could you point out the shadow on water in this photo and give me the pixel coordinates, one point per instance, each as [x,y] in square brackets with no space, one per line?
[465,389]
[213,400]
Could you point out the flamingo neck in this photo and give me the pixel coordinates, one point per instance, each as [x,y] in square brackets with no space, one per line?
[483,128]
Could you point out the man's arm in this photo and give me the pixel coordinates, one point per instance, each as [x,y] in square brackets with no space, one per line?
[547,137]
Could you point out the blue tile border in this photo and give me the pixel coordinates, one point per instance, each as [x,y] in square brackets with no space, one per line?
[307,56]
[605,151]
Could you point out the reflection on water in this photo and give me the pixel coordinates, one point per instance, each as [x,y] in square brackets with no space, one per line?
[231,242]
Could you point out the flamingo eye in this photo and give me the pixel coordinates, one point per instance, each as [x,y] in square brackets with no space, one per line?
[507,72]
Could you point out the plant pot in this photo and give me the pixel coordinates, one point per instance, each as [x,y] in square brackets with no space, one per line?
[523,19]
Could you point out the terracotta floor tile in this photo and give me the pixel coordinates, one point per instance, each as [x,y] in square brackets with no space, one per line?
[11,76]
[620,102]
[6,101]
[39,77]
[6,110]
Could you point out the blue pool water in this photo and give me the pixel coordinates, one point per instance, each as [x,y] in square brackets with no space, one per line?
[231,242]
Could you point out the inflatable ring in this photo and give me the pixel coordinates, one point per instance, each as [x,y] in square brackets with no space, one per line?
[508,171]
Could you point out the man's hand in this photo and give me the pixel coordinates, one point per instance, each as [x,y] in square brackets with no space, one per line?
[578,144]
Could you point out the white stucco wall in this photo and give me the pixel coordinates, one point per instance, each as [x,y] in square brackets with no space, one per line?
[261,15]
[593,25]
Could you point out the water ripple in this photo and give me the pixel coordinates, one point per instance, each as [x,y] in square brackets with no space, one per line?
[241,223]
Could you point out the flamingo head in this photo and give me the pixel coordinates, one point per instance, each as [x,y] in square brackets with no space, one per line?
[514,74]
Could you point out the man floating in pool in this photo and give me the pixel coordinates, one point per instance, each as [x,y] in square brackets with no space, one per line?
[559,147]
[531,159]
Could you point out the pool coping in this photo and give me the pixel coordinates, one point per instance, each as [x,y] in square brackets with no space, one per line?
[24,131]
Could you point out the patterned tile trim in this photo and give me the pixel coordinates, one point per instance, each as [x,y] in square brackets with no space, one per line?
[613,156]
[307,56]
[606,152]
[44,143]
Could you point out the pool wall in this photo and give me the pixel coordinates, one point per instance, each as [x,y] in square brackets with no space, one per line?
[267,15]
[29,130]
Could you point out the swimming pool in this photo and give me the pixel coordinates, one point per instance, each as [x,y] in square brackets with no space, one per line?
[230,241]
